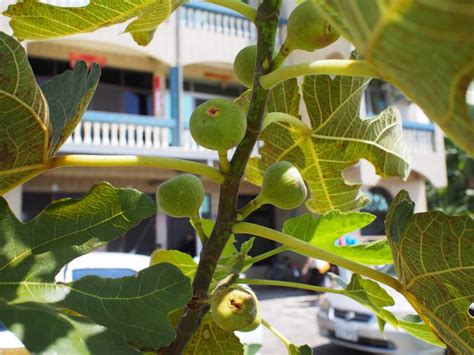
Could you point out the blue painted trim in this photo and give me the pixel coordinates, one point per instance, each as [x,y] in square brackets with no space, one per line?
[175,102]
[418,126]
[204,6]
[113,117]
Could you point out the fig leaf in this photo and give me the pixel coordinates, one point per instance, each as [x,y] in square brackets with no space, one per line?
[34,20]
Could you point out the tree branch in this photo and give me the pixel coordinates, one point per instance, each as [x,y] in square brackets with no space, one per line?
[267,23]
[317,253]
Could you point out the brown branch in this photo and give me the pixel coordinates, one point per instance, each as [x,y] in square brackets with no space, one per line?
[267,23]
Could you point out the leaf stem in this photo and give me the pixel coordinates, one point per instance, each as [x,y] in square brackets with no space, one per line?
[266,255]
[347,67]
[224,162]
[274,117]
[280,336]
[197,224]
[287,284]
[248,209]
[315,252]
[238,6]
[134,161]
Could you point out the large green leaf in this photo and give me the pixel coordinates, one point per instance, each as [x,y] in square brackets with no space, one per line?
[424,47]
[209,339]
[35,251]
[284,97]
[371,295]
[181,260]
[32,253]
[338,139]
[33,124]
[434,261]
[136,306]
[68,96]
[34,20]
[323,232]
[65,335]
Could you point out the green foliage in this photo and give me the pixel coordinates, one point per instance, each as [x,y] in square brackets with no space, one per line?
[34,20]
[182,261]
[33,253]
[323,232]
[458,196]
[66,335]
[371,295]
[433,259]
[211,339]
[398,40]
[299,350]
[432,252]
[337,139]
[48,115]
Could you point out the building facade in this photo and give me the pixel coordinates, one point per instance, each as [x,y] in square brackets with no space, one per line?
[147,94]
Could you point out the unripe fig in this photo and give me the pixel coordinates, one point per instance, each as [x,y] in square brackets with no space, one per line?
[282,186]
[307,30]
[218,124]
[235,308]
[244,65]
[181,196]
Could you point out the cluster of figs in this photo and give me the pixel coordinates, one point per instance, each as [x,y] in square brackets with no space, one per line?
[220,124]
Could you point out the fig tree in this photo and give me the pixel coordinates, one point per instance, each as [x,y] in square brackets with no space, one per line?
[181,196]
[307,30]
[282,186]
[218,124]
[244,65]
[235,308]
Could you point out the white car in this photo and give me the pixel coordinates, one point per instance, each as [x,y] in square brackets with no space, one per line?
[110,265]
[347,323]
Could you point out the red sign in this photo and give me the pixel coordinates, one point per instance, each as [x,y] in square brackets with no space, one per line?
[88,58]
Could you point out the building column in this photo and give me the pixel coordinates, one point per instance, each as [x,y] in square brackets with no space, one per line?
[176,93]
[14,200]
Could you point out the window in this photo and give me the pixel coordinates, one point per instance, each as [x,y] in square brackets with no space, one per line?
[119,90]
[379,95]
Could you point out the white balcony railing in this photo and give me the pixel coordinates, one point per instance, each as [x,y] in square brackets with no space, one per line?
[116,133]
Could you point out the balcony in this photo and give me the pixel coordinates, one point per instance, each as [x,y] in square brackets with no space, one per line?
[206,33]
[117,133]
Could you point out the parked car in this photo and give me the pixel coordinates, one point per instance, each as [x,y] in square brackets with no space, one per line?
[110,265]
[349,324]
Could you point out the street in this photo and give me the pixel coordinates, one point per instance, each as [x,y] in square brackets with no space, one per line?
[293,313]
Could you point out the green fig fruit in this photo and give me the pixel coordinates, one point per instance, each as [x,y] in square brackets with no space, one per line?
[235,308]
[218,124]
[282,186]
[244,65]
[181,196]
[307,30]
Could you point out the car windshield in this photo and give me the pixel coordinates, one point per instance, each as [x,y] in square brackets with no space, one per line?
[108,273]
